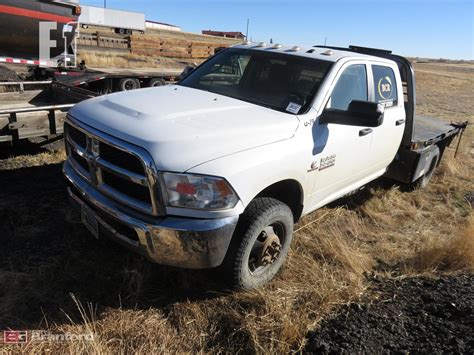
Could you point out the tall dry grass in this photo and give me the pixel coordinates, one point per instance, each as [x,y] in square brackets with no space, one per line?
[383,231]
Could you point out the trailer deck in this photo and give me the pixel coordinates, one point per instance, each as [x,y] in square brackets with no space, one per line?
[37,112]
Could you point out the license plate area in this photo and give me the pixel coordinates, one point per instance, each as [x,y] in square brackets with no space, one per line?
[89,220]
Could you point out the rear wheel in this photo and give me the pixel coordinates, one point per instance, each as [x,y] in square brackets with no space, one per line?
[431,165]
[156,82]
[127,84]
[261,244]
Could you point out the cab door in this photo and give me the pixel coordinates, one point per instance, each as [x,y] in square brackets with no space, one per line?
[387,91]
[341,152]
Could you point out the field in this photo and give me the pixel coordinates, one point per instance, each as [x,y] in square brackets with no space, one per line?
[383,241]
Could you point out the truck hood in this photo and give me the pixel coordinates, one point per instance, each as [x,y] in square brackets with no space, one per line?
[182,127]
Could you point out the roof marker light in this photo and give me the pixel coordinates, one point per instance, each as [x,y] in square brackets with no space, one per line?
[261,44]
[328,52]
[277,46]
[295,49]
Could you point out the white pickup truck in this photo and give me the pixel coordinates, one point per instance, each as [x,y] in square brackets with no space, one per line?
[215,171]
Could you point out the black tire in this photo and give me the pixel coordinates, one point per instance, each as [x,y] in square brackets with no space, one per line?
[259,215]
[120,31]
[422,182]
[156,82]
[127,84]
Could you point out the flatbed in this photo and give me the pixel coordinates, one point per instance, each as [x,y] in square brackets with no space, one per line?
[431,130]
[37,112]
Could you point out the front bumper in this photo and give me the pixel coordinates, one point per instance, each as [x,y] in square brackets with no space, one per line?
[181,242]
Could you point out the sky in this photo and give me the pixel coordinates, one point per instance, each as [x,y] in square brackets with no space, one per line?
[418,28]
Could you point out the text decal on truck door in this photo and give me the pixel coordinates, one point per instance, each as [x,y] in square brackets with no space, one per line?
[324,163]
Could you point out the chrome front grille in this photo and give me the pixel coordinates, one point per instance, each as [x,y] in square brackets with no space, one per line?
[119,170]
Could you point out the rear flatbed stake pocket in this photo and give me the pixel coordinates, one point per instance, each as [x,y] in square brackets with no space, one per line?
[214,172]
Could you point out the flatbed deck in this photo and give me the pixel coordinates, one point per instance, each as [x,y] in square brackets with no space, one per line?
[428,129]
[34,113]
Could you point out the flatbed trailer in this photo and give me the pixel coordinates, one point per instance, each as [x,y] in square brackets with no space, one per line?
[103,82]
[38,109]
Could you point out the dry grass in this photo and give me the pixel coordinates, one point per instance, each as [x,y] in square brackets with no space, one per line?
[132,306]
[126,61]
[439,254]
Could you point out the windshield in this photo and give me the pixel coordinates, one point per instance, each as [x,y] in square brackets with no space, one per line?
[278,81]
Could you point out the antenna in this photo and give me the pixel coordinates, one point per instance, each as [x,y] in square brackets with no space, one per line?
[247,33]
[325,40]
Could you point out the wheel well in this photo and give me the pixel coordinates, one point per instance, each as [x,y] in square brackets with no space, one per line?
[289,192]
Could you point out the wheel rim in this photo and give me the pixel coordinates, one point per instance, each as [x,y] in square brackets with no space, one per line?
[129,85]
[267,248]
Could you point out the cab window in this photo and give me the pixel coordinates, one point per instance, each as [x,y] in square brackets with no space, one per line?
[351,85]
[385,85]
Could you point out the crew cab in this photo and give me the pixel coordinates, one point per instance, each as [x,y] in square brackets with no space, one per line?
[216,170]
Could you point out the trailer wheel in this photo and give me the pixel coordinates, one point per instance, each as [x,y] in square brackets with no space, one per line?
[120,31]
[261,243]
[422,182]
[156,82]
[128,84]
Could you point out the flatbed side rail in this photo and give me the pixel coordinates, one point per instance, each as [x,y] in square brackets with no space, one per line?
[23,84]
[37,128]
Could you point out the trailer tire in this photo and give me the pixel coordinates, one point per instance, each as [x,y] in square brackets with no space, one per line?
[127,84]
[156,82]
[245,263]
[422,182]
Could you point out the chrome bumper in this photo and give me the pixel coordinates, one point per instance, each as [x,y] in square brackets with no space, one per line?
[181,242]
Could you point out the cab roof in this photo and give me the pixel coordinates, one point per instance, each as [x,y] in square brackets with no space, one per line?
[316,52]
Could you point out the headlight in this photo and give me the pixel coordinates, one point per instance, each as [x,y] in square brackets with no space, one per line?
[199,192]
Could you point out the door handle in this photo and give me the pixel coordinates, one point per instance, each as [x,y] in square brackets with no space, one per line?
[399,122]
[364,132]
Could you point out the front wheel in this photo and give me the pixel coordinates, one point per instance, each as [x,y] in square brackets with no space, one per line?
[260,245]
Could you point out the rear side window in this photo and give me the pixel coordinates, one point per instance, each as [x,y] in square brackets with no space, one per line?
[385,85]
[352,85]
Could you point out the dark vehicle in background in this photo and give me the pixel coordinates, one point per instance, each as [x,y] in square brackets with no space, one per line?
[27,15]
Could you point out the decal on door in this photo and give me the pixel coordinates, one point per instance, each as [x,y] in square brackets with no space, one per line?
[324,163]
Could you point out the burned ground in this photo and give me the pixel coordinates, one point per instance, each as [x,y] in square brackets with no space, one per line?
[410,315]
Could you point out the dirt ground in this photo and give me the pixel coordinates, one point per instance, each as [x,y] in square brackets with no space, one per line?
[410,315]
[362,264]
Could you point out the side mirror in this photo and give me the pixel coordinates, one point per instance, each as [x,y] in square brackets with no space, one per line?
[359,113]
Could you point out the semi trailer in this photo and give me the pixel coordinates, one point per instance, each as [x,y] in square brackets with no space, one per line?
[122,22]
[20,28]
